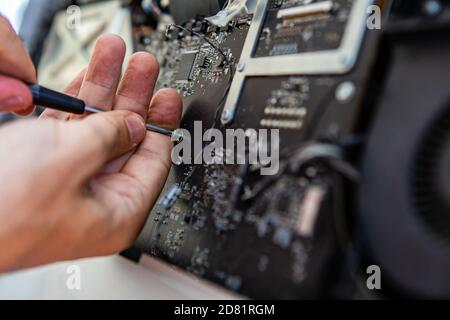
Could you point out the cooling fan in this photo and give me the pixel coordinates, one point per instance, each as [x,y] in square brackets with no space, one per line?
[404,196]
[432,178]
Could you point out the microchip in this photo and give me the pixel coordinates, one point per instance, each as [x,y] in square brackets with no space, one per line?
[206,63]
[186,66]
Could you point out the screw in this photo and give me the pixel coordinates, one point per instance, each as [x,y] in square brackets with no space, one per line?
[345,92]
[311,172]
[240,67]
[177,136]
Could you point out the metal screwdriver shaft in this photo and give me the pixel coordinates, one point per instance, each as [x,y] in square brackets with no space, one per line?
[59,101]
[160,130]
[150,127]
[92,110]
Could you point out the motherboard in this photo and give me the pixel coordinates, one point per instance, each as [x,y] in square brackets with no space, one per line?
[307,69]
[229,224]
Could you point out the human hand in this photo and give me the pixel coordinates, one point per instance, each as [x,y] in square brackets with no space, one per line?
[76,187]
[15,63]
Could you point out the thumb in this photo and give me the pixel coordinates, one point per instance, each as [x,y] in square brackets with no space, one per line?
[15,96]
[103,137]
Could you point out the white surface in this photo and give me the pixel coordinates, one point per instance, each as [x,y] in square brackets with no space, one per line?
[109,278]
[13,10]
[67,50]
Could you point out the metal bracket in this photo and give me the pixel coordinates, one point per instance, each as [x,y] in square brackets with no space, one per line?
[338,61]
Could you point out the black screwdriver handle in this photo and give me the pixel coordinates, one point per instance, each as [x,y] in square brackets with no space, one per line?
[55,100]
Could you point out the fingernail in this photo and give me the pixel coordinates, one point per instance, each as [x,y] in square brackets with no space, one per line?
[12,103]
[136,128]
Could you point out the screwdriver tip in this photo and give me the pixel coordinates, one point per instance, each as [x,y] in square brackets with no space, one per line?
[92,109]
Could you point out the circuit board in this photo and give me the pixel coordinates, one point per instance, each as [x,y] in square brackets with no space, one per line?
[265,237]
[190,65]
[299,33]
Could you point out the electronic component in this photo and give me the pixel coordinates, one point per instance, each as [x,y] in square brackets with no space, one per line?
[323,44]
[182,11]
[287,107]
[232,10]
[305,10]
[170,197]
[295,27]
[187,61]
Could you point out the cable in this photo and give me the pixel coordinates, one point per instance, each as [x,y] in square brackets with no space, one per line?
[203,37]
[331,155]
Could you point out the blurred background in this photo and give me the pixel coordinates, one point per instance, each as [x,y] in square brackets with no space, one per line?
[14,11]
[59,35]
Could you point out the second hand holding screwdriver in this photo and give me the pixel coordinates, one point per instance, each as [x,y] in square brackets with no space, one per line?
[55,100]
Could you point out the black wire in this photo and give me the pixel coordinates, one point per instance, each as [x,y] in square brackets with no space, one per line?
[201,36]
[230,79]
[222,100]
[335,163]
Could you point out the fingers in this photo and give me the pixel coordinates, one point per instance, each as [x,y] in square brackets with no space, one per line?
[165,109]
[14,59]
[102,77]
[15,62]
[131,193]
[134,94]
[101,138]
[137,85]
[15,96]
[154,152]
[72,90]
[97,85]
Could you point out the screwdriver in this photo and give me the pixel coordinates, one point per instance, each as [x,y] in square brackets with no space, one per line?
[55,100]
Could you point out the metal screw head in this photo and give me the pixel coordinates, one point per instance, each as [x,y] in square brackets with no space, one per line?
[345,92]
[177,136]
[311,172]
[240,67]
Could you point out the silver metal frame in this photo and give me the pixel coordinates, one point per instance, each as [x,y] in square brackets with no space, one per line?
[338,61]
